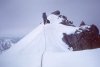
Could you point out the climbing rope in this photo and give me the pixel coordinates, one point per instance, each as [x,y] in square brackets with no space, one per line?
[42,57]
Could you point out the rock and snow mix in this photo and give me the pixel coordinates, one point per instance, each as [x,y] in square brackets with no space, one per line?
[46,46]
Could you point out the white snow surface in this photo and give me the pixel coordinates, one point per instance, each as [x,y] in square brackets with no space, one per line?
[54,19]
[43,47]
[86,58]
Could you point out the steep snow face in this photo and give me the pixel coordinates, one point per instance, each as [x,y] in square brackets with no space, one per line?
[54,35]
[51,37]
[29,50]
[28,40]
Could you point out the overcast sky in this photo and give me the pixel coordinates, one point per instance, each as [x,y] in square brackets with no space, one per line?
[19,17]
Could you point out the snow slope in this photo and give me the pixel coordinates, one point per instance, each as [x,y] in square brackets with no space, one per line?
[43,47]
[86,58]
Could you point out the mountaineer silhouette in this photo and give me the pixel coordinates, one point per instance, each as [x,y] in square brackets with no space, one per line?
[45,20]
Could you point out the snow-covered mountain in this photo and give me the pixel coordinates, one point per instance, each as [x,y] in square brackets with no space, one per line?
[45,47]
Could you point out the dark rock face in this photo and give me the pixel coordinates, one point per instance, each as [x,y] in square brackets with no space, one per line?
[65,21]
[87,39]
[82,23]
[57,12]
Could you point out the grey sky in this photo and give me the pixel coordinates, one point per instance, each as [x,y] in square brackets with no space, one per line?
[19,17]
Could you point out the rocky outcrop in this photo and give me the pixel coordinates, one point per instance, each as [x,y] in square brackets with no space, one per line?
[65,21]
[82,23]
[57,12]
[88,38]
[63,18]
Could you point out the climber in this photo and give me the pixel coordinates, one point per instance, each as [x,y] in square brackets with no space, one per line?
[44,16]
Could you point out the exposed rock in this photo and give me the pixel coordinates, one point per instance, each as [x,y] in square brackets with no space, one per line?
[87,39]
[57,12]
[67,22]
[48,21]
[94,29]
[82,23]
[64,17]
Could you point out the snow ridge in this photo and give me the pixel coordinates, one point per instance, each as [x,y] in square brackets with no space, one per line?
[43,47]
